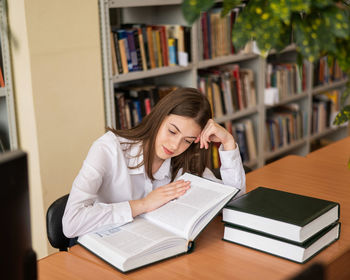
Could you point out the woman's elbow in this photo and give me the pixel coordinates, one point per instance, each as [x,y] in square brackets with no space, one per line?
[68,228]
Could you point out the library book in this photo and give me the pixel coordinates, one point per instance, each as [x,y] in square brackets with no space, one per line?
[297,252]
[163,233]
[281,214]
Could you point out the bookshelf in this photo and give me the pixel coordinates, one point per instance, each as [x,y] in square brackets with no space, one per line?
[8,133]
[153,12]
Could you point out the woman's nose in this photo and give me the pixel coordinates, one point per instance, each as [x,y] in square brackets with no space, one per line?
[174,144]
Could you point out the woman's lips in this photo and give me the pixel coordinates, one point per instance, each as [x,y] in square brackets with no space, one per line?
[167,151]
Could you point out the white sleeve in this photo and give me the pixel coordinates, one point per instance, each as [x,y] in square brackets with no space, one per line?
[231,170]
[83,213]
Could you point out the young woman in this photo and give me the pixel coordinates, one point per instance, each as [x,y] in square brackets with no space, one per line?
[130,172]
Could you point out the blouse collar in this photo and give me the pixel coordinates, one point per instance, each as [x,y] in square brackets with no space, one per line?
[134,157]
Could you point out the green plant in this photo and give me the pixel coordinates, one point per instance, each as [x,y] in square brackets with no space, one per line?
[319,27]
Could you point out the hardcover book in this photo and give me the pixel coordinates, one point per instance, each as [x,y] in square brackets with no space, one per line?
[297,252]
[287,215]
[165,232]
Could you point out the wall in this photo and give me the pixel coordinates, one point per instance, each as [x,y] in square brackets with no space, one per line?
[57,77]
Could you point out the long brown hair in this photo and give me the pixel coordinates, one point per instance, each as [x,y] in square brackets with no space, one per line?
[186,102]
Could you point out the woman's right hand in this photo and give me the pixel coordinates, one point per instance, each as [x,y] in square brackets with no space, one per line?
[159,197]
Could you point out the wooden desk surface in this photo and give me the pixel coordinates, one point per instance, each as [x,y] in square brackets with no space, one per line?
[217,259]
[318,178]
[63,265]
[337,153]
[213,257]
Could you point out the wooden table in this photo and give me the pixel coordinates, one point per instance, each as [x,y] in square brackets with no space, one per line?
[216,259]
[337,153]
[63,266]
[318,178]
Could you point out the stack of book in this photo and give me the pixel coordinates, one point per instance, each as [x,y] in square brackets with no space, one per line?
[325,107]
[134,102]
[285,125]
[288,78]
[140,47]
[228,88]
[287,225]
[327,70]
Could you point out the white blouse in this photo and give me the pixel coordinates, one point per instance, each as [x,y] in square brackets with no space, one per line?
[102,190]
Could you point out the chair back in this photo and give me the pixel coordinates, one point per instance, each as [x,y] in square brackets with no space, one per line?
[54,224]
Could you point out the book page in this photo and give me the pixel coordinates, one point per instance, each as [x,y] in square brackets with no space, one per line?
[180,215]
[128,240]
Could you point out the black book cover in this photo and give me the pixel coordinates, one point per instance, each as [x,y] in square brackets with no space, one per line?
[282,206]
[187,32]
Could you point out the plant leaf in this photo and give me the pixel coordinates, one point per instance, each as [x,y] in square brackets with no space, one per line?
[257,22]
[191,9]
[343,116]
[284,9]
[321,3]
[228,5]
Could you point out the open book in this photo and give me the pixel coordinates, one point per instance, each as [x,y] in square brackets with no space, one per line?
[165,232]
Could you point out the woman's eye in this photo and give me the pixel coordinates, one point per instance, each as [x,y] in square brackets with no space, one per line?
[188,142]
[172,132]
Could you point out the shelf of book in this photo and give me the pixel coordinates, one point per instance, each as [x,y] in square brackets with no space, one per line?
[208,74]
[327,132]
[329,86]
[225,60]
[137,75]
[289,99]
[277,152]
[141,3]
[237,115]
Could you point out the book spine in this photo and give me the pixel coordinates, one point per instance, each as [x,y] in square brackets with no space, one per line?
[172,52]
[142,50]
[138,49]
[132,50]
[118,52]
[164,45]
[115,69]
[123,56]
[159,48]
[148,107]
[239,87]
[145,43]
[2,82]
[122,35]
[205,35]
[150,47]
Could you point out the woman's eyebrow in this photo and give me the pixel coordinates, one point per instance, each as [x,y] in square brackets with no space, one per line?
[180,131]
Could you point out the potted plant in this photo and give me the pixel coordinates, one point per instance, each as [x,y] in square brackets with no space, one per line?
[318,27]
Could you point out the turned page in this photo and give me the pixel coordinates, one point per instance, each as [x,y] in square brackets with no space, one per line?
[121,243]
[180,215]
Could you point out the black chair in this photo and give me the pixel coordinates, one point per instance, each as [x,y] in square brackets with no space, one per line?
[216,171]
[54,224]
[315,271]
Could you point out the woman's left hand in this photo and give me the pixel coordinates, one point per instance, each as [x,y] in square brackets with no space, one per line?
[213,132]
